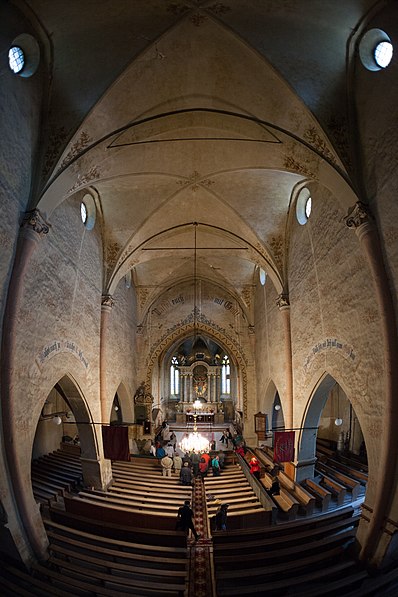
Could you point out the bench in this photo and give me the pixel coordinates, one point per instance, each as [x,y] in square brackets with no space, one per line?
[324,573]
[120,515]
[317,526]
[348,482]
[336,489]
[356,474]
[306,500]
[122,532]
[322,495]
[171,550]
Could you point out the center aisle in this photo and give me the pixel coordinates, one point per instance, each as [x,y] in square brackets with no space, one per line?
[201,553]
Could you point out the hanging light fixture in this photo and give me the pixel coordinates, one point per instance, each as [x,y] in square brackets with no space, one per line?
[194,442]
[338,421]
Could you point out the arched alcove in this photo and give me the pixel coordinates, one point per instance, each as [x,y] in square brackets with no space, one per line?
[122,407]
[330,415]
[65,413]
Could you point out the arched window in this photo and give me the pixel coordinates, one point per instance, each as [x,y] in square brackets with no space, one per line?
[174,377]
[225,375]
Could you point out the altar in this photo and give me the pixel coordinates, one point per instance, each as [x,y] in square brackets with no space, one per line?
[209,418]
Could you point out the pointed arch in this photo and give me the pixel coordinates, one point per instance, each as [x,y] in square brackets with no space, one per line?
[185,328]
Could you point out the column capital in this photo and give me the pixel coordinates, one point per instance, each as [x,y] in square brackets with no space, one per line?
[33,221]
[283,301]
[107,302]
[357,215]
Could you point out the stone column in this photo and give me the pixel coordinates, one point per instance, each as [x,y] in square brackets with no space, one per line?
[33,229]
[189,387]
[361,221]
[214,386]
[107,303]
[209,392]
[284,308]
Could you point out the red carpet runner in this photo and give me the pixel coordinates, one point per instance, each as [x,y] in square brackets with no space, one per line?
[200,572]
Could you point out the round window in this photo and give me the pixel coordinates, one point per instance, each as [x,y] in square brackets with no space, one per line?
[83,212]
[303,206]
[16,59]
[88,211]
[24,55]
[375,49]
[383,53]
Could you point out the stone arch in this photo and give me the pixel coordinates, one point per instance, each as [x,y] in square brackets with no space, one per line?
[215,332]
[74,397]
[306,441]
[125,403]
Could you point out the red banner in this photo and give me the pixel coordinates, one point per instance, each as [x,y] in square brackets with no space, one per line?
[283,446]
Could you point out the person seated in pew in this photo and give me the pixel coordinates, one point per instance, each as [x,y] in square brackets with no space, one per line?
[220,519]
[254,467]
[275,488]
[186,474]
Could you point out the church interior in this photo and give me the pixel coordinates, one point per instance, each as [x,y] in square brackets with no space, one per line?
[199,251]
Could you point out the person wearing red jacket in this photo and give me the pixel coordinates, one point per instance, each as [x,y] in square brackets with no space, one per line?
[255,467]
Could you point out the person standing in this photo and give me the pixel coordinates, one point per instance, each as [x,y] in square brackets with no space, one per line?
[195,458]
[186,474]
[215,465]
[169,450]
[177,460]
[167,464]
[185,519]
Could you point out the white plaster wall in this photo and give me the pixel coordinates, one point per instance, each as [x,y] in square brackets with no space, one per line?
[121,350]
[332,297]
[269,347]
[19,118]
[377,115]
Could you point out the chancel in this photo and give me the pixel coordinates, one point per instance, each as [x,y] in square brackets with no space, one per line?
[199,272]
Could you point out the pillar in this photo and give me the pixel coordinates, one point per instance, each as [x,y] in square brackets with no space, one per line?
[284,308]
[33,229]
[107,303]
[361,221]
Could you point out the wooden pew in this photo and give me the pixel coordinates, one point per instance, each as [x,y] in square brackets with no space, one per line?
[322,495]
[124,532]
[287,504]
[121,515]
[356,474]
[348,482]
[336,489]
[306,500]
[311,527]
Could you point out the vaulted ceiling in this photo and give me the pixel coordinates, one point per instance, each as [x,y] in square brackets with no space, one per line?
[174,112]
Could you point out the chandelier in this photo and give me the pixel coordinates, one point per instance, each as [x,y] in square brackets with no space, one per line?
[194,442]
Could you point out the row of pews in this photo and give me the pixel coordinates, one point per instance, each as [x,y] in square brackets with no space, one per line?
[246,509]
[91,553]
[53,475]
[124,555]
[89,563]
[301,558]
[138,488]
